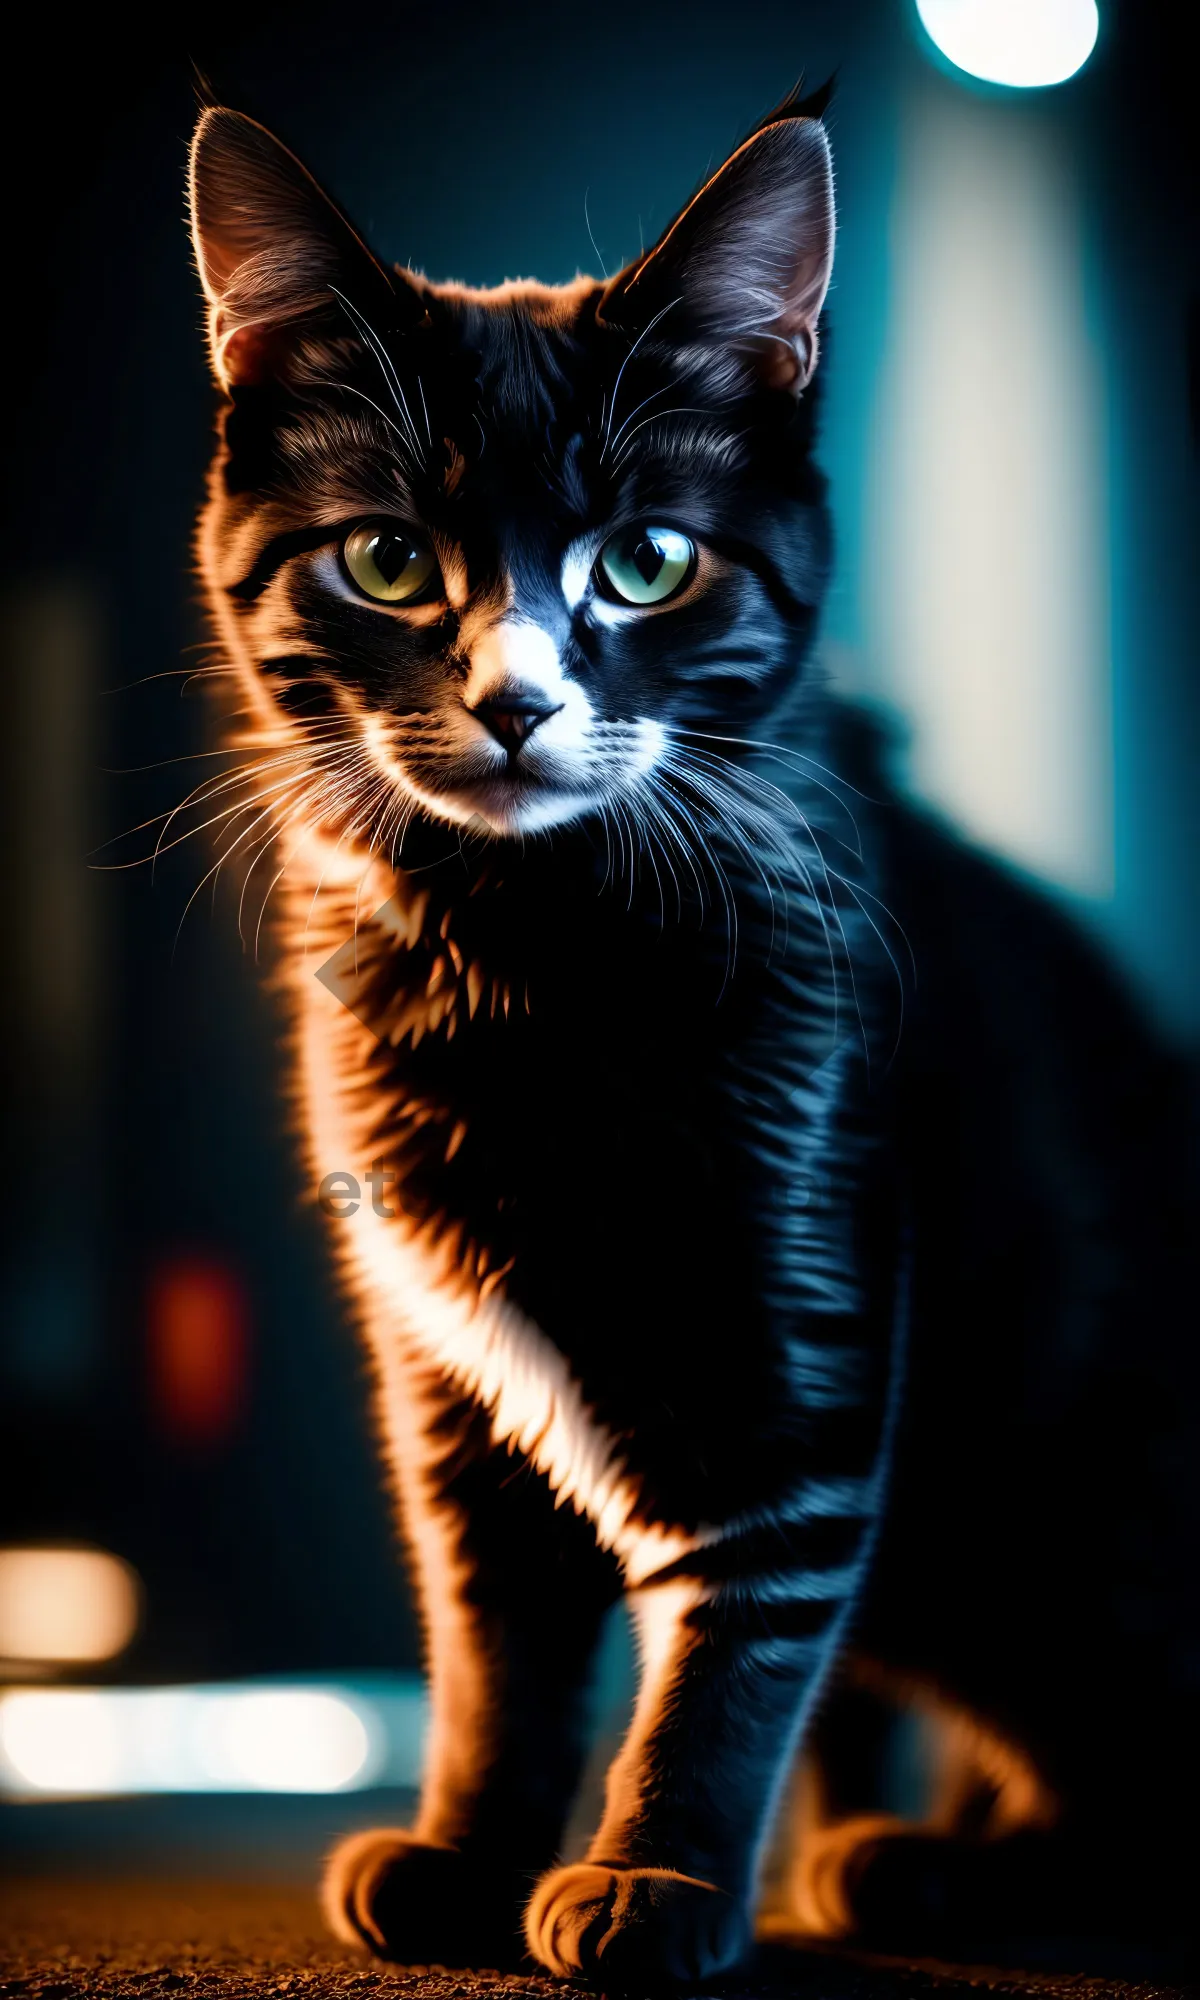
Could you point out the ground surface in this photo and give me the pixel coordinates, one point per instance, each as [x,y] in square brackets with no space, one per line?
[62,1938]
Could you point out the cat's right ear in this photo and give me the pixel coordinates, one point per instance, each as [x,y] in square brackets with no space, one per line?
[276,258]
[743,271]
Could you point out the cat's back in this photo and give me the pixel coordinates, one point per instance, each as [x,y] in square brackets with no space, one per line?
[1044,1495]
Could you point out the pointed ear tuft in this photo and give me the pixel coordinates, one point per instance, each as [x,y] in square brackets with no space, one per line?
[271,248]
[747,264]
[206,97]
[797,105]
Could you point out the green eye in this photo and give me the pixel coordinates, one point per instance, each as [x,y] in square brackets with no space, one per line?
[389,562]
[645,565]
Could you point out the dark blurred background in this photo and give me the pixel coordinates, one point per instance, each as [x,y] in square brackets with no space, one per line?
[1010,421]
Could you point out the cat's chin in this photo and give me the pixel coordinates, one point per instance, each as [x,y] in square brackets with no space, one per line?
[508,812]
[513,820]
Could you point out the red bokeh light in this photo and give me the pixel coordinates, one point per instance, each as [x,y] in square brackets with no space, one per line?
[197,1326]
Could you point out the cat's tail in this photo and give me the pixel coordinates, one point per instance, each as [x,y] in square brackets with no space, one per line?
[891,1766]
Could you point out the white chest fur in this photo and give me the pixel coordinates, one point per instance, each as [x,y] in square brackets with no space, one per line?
[411,1291]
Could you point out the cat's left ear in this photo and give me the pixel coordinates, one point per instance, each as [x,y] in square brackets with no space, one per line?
[747,264]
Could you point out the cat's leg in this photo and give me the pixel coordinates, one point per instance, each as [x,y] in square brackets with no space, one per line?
[512,1593]
[736,1641]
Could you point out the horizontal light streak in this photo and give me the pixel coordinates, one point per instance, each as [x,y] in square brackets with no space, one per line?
[92,1742]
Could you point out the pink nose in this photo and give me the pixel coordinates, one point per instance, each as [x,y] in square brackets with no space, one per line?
[512,719]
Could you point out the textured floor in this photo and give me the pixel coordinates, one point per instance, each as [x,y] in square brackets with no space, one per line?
[62,1939]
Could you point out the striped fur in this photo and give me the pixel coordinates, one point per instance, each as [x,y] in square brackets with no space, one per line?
[618,1023]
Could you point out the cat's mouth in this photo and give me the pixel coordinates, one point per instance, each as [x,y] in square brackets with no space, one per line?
[514,783]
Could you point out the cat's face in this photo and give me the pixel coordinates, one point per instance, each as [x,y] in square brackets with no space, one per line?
[508,558]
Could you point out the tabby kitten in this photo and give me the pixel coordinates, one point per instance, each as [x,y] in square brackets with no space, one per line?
[689,1274]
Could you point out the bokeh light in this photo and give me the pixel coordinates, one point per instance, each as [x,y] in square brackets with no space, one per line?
[283,1740]
[92,1742]
[1026,44]
[65,1606]
[989,514]
[197,1331]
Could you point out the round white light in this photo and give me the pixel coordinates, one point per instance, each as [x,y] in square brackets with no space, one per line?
[1026,44]
[283,1740]
[62,1740]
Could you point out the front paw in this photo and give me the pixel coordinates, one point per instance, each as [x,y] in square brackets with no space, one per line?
[417,1904]
[633,1926]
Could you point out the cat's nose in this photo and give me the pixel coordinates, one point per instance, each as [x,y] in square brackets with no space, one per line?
[512,718]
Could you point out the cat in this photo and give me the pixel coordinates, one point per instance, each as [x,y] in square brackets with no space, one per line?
[777,1204]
